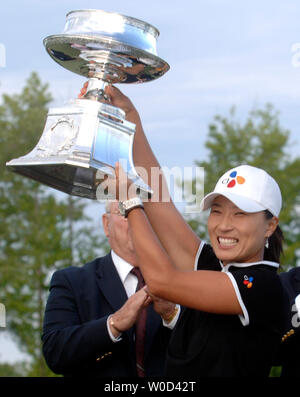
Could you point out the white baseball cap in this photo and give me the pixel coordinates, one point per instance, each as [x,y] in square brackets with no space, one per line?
[251,189]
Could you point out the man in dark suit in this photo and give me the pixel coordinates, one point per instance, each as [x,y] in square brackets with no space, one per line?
[91,312]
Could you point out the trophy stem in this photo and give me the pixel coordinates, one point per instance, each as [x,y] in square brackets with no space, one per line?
[96,90]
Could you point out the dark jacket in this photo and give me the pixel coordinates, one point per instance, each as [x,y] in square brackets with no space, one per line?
[290,346]
[75,337]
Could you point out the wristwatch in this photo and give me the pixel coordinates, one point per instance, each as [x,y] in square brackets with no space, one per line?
[126,206]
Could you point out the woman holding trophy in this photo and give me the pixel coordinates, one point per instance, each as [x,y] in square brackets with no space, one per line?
[234,305]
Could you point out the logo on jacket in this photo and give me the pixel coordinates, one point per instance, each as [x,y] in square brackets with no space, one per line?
[248,281]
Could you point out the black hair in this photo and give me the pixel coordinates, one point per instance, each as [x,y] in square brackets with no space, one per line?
[275,249]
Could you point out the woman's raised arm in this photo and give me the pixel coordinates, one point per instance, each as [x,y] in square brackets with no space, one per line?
[175,235]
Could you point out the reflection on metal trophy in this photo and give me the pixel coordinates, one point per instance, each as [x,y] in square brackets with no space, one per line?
[82,141]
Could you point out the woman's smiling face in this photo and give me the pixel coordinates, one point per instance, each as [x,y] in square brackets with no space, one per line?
[235,235]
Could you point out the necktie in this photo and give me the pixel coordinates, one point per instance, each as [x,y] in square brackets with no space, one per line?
[140,328]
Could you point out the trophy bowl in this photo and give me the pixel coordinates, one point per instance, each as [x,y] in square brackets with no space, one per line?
[109,46]
[83,140]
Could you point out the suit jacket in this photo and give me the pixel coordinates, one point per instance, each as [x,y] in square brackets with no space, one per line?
[290,347]
[75,337]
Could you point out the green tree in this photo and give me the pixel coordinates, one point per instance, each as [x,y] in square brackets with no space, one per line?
[40,231]
[13,370]
[262,142]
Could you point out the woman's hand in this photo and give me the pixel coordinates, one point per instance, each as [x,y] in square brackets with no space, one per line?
[166,309]
[125,189]
[118,99]
[121,187]
[83,90]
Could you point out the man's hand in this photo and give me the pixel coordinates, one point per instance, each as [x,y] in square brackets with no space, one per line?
[126,316]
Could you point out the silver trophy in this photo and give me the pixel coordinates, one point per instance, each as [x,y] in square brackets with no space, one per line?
[83,140]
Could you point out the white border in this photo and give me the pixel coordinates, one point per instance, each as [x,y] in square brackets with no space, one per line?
[245,316]
[198,254]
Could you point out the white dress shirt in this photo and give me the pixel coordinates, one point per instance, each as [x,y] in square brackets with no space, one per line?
[130,282]
[128,279]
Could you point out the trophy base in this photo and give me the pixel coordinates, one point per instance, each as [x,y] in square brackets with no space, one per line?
[79,147]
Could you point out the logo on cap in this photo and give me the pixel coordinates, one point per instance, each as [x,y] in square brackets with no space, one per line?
[233,179]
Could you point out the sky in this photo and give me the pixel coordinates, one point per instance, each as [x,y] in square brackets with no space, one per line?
[221,53]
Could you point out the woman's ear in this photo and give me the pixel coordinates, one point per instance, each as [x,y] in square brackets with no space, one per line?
[272,225]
